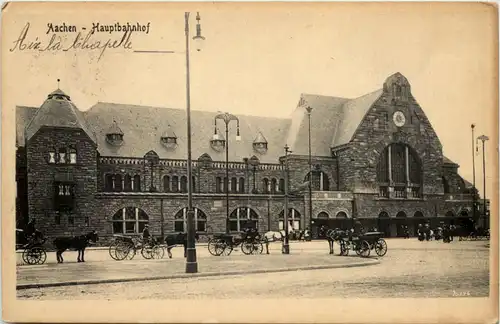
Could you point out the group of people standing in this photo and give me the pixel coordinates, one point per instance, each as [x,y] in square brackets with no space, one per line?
[444,232]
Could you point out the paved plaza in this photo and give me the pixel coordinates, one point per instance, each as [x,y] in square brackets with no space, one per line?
[410,269]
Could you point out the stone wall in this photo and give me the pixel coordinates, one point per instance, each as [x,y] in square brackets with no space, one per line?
[42,175]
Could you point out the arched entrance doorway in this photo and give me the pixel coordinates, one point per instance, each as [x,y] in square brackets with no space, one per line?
[384,224]
[342,221]
[418,218]
[318,221]
[401,221]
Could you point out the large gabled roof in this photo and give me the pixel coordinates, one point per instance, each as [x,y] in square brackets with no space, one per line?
[144,126]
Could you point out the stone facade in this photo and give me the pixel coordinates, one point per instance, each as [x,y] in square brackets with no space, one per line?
[345,185]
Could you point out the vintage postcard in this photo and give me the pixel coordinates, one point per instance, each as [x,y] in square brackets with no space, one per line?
[250,162]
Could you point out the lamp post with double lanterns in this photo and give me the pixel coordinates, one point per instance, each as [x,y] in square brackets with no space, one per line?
[227,118]
[191,262]
[286,245]
[484,138]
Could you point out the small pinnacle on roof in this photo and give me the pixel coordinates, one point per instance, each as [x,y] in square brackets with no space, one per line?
[58,80]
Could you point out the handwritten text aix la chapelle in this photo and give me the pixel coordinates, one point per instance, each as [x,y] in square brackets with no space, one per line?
[83,41]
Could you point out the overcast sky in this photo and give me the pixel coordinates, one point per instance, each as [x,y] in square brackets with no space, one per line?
[259,58]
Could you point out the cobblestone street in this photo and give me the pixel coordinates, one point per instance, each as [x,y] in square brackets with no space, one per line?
[410,269]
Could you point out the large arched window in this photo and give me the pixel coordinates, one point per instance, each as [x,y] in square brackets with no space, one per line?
[129,220]
[234,184]
[320,181]
[274,185]
[322,215]
[293,219]
[108,182]
[175,184]
[180,221]
[219,185]
[399,172]
[243,217]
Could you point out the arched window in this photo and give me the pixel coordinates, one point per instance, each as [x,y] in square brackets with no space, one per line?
[341,215]
[234,184]
[265,185]
[180,220]
[282,185]
[166,184]
[446,185]
[418,214]
[274,185]
[108,182]
[218,184]
[464,213]
[184,184]
[127,183]
[241,185]
[450,214]
[400,168]
[129,220]
[175,184]
[118,182]
[322,215]
[293,219]
[243,217]
[401,214]
[137,183]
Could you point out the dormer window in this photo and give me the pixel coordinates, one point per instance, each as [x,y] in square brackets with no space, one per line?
[169,139]
[260,143]
[114,136]
[217,142]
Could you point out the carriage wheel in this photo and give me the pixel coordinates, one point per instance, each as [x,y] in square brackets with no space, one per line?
[381,247]
[247,248]
[34,255]
[112,250]
[212,247]
[158,252]
[227,249]
[120,252]
[257,248]
[364,249]
[147,252]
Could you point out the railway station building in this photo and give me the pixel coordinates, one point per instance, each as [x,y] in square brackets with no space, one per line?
[116,167]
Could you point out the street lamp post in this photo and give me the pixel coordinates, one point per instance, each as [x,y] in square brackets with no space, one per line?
[473,176]
[286,245]
[227,118]
[309,109]
[191,262]
[484,138]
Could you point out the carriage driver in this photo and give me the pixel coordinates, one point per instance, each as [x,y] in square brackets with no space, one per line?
[146,236]
[30,229]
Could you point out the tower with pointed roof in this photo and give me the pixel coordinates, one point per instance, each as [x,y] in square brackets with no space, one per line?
[61,156]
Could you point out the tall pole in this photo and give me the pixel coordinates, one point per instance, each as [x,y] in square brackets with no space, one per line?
[473,176]
[286,246]
[483,139]
[191,263]
[309,109]
[227,178]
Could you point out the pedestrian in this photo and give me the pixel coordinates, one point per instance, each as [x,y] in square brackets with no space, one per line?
[146,236]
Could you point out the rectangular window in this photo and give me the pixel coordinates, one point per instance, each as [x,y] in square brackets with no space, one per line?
[58,219]
[71,220]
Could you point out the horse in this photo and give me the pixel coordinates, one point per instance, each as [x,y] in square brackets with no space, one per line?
[331,235]
[272,236]
[78,243]
[173,240]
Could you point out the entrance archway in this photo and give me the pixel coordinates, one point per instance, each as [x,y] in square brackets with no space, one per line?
[384,223]
[401,221]
[318,221]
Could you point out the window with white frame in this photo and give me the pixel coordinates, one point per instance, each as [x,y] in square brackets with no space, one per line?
[243,217]
[180,221]
[129,220]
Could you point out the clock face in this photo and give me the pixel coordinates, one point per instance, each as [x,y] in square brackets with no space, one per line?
[399,118]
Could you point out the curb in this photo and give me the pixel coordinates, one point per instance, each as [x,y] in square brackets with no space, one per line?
[197,275]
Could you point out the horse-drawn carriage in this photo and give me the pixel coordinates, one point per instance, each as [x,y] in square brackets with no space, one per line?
[224,244]
[32,246]
[126,247]
[362,244]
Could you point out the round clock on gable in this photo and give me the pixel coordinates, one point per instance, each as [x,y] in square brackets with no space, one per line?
[399,118]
